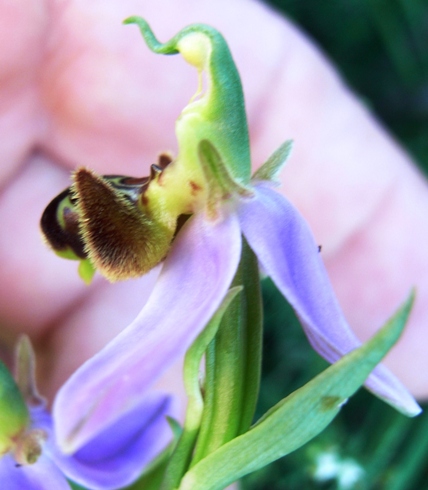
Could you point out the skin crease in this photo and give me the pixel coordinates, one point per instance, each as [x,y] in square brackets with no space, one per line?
[78,88]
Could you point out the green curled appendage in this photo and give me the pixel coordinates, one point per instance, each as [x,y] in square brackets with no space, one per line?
[216,113]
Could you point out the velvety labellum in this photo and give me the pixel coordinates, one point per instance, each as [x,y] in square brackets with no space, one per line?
[108,220]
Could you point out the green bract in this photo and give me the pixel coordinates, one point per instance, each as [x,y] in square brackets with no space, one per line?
[14,416]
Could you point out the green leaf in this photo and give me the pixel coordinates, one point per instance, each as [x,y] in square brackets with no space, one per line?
[299,417]
[194,356]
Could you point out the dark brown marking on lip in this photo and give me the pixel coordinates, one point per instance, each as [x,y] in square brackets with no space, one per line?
[50,225]
[144,200]
[130,187]
[195,188]
[164,160]
[67,237]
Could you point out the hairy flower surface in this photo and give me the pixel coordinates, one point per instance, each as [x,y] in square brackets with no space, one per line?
[210,181]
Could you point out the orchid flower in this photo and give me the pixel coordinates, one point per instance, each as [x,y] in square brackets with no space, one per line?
[125,227]
[30,458]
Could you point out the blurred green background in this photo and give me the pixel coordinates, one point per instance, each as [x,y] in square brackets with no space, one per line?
[381,49]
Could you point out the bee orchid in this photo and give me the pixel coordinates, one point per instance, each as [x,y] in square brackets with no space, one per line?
[191,215]
[31,459]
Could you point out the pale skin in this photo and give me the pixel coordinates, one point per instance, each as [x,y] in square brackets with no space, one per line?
[79,89]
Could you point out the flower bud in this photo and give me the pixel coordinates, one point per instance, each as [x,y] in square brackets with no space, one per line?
[14,416]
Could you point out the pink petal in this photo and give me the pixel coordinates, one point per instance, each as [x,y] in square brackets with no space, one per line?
[194,279]
[286,249]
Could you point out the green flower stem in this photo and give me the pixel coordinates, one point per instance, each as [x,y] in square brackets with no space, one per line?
[180,459]
[254,337]
[233,363]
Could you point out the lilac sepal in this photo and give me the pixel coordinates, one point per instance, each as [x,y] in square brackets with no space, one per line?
[194,280]
[117,456]
[112,460]
[287,251]
[43,475]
